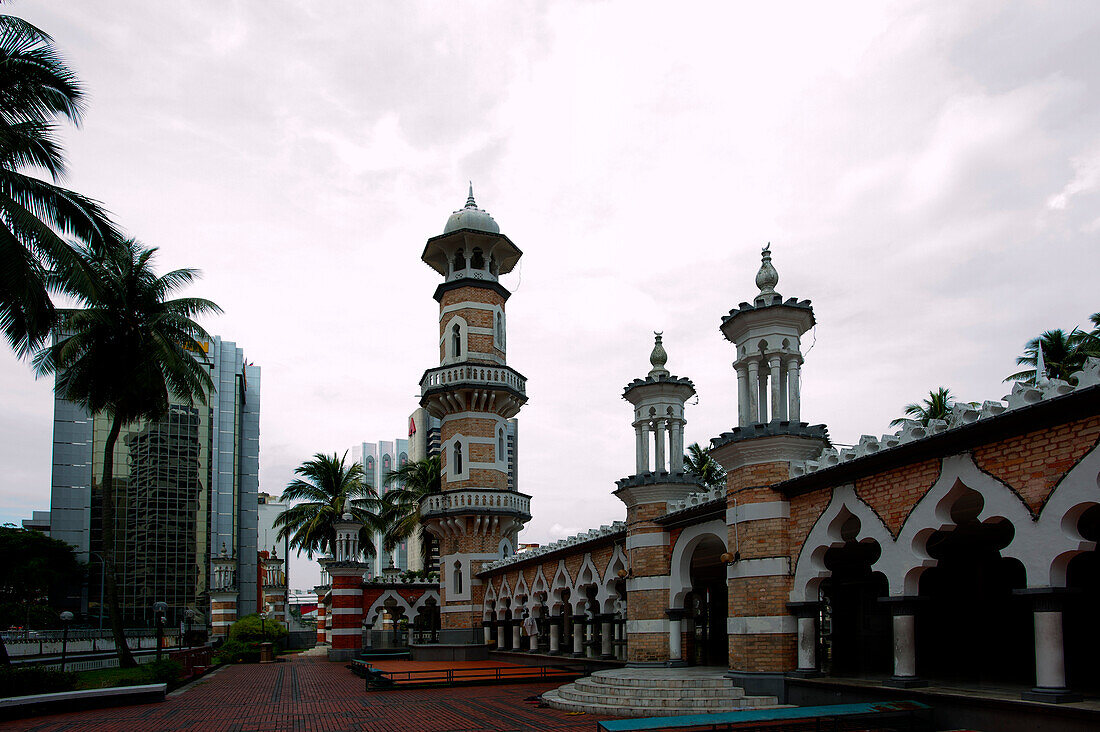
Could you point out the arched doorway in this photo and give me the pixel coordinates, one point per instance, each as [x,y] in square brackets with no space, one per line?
[856,634]
[970,627]
[707,605]
[1081,632]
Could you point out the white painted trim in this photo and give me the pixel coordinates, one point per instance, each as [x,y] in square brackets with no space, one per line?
[474,415]
[762,625]
[640,584]
[653,538]
[647,626]
[758,512]
[691,537]
[346,593]
[346,611]
[763,567]
[345,631]
[457,608]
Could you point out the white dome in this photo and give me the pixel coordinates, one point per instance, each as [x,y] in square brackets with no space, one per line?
[471,217]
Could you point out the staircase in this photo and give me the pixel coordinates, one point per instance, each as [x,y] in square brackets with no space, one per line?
[651,692]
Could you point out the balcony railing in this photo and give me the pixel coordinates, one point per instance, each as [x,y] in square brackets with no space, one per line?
[473,375]
[476,501]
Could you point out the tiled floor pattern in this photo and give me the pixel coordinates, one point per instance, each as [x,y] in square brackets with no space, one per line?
[309,694]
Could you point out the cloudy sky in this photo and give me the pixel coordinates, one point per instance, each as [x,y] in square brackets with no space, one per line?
[928,174]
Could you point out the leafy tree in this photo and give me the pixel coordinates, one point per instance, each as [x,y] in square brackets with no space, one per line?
[37,89]
[699,463]
[44,568]
[408,485]
[327,489]
[937,406]
[1064,354]
[121,356]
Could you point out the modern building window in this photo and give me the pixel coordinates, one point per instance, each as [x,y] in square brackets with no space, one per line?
[458,457]
[456,341]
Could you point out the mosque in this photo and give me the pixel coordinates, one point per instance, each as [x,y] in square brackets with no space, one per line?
[956,555]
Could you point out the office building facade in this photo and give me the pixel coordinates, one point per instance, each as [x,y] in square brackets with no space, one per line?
[186,487]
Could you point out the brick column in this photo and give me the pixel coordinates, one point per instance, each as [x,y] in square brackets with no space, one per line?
[347,609]
[321,592]
[223,612]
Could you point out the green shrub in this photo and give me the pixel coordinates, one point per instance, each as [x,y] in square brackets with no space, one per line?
[235,651]
[165,671]
[254,628]
[32,680]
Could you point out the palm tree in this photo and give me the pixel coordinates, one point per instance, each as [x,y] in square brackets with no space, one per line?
[36,89]
[1064,354]
[937,406]
[699,463]
[408,485]
[122,356]
[326,489]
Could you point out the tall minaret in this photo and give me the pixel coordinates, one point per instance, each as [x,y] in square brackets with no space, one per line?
[473,392]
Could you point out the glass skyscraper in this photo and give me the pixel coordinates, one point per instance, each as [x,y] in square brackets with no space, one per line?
[185,486]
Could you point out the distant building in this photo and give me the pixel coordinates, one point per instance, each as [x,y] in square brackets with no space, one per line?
[39,521]
[269,509]
[186,487]
[379,459]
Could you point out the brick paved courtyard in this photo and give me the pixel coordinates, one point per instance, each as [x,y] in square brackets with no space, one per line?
[309,694]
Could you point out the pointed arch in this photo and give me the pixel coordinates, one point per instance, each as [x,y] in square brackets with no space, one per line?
[689,539]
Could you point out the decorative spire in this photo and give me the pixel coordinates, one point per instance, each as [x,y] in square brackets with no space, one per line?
[767,278]
[470,202]
[1040,367]
[658,358]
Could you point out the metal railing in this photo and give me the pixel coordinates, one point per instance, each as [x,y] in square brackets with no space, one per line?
[48,643]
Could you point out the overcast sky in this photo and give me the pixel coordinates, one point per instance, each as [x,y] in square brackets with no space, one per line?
[927,174]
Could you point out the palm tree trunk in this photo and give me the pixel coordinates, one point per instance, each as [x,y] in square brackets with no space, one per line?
[107,488]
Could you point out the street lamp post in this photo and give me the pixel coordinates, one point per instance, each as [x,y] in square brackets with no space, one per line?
[189,616]
[102,580]
[66,618]
[159,610]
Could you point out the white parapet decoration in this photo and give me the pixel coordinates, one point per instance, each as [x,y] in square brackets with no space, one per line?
[962,414]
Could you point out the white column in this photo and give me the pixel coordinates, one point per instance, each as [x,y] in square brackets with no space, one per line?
[742,395]
[640,452]
[578,636]
[517,638]
[659,463]
[794,411]
[533,644]
[807,643]
[555,637]
[589,634]
[606,637]
[487,632]
[905,646]
[778,408]
[753,388]
[645,447]
[675,645]
[1050,666]
[676,446]
[503,635]
[762,392]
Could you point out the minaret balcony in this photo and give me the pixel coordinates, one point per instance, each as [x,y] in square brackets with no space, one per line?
[473,387]
[482,502]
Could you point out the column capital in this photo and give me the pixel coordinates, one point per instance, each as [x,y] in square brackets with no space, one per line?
[804,609]
[902,604]
[1047,599]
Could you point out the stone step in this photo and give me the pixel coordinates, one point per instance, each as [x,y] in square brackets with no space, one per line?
[599,686]
[581,696]
[635,678]
[635,709]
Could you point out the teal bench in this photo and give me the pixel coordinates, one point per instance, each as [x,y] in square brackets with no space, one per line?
[915,715]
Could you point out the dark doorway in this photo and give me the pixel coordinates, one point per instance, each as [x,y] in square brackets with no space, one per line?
[708,606]
[971,629]
[859,635]
[1079,627]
